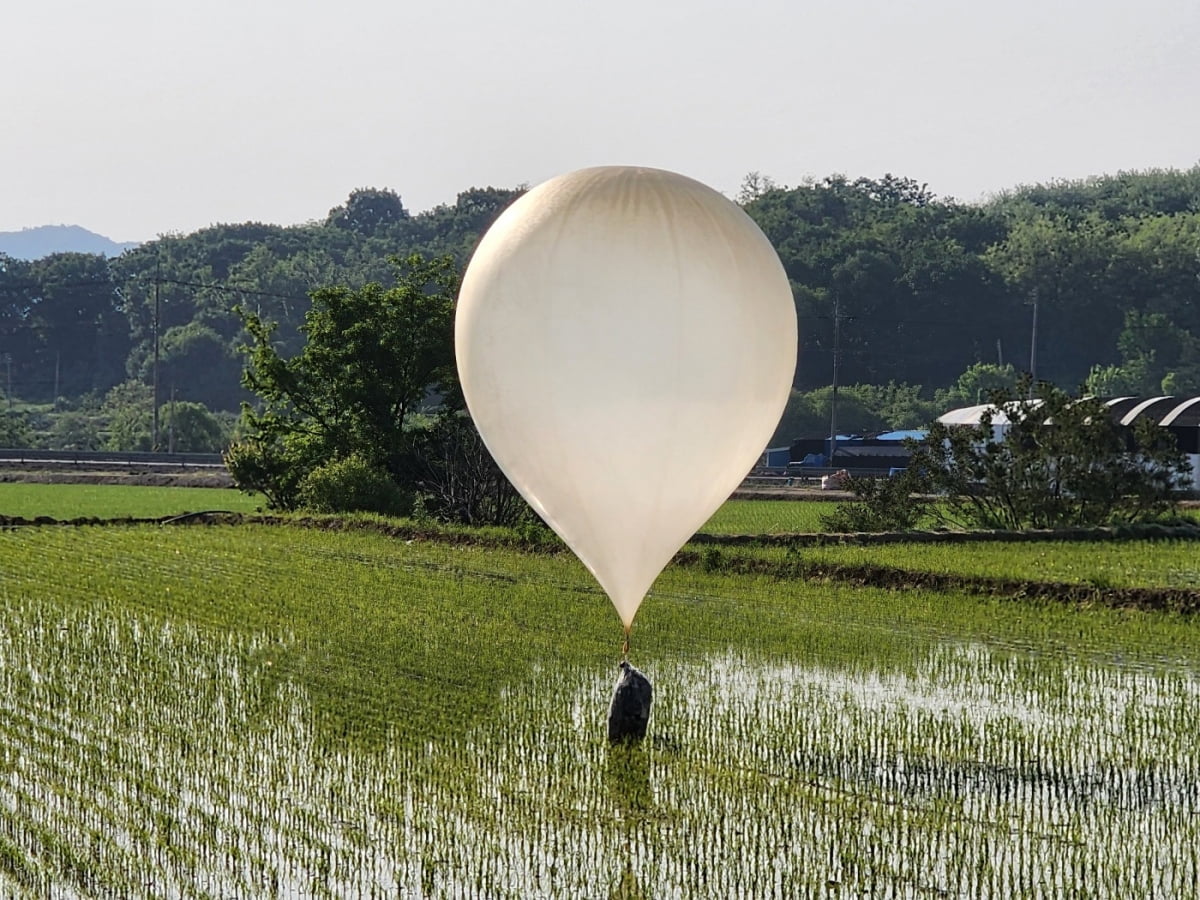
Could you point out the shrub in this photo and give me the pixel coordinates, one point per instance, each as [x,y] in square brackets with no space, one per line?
[189,427]
[15,430]
[460,482]
[74,431]
[259,467]
[129,409]
[884,504]
[1061,462]
[352,484]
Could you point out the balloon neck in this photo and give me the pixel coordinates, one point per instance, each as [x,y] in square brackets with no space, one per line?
[625,645]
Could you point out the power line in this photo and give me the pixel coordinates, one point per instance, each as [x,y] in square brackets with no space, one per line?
[235,290]
[118,286]
[42,285]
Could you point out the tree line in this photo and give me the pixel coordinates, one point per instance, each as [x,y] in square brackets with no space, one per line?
[918,302]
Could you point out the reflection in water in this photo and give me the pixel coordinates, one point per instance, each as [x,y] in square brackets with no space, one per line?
[627,777]
[628,888]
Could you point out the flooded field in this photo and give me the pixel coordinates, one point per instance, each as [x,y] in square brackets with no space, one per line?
[871,744]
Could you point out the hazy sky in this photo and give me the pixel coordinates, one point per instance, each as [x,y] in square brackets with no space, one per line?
[139,117]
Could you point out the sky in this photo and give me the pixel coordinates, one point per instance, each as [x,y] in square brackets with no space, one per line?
[135,118]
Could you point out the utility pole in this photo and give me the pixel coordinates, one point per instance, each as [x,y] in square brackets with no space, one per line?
[1033,347]
[8,390]
[837,352]
[999,353]
[57,362]
[154,426]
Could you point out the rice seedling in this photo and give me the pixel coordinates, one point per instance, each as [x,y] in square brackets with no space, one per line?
[271,711]
[1159,563]
[69,501]
[767,517]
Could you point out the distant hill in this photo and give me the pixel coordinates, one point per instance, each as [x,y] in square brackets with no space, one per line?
[34,243]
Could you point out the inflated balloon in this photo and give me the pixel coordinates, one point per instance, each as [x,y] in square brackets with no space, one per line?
[626,340]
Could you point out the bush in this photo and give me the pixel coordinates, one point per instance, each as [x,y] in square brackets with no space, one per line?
[129,409]
[460,482]
[1061,462]
[15,430]
[188,427]
[74,431]
[883,504]
[352,484]
[259,467]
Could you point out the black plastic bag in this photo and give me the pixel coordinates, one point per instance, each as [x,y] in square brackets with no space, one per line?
[629,714]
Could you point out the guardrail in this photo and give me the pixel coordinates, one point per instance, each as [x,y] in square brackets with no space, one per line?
[810,473]
[113,458]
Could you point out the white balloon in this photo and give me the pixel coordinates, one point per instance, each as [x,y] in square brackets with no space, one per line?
[626,341]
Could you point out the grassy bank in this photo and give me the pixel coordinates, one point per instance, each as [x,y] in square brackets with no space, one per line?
[70,501]
[1116,564]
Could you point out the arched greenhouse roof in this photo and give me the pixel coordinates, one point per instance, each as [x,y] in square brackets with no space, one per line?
[1168,412]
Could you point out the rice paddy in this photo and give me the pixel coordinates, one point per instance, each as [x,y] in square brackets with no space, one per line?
[70,501]
[257,711]
[1158,563]
[768,517]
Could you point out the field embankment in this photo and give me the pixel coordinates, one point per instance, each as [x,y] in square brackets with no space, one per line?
[1083,567]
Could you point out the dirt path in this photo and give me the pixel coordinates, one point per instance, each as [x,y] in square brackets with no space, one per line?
[156,476]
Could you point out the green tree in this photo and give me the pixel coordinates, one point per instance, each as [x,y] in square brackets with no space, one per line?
[899,275]
[754,185]
[456,229]
[808,415]
[861,409]
[262,464]
[1156,355]
[367,210]
[373,357]
[190,427]
[77,334]
[1150,193]
[1160,256]
[128,409]
[979,382]
[19,346]
[460,482]
[1113,381]
[1059,462]
[14,430]
[899,406]
[1072,270]
[196,364]
[74,431]
[1182,382]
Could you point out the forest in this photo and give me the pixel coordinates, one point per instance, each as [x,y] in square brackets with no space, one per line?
[919,303]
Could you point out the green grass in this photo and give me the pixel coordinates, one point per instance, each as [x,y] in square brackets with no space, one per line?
[70,501]
[791,516]
[1160,563]
[768,517]
[66,501]
[269,711]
